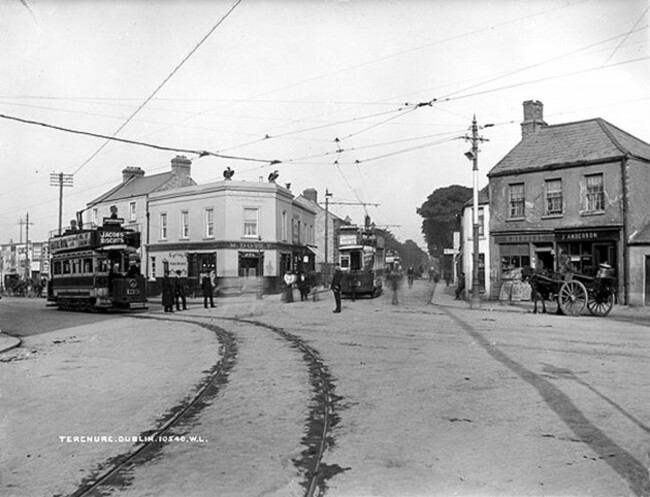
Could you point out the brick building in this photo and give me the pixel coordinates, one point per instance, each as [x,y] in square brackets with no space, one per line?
[573,195]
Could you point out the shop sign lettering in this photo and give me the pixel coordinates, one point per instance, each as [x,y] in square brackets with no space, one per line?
[111,238]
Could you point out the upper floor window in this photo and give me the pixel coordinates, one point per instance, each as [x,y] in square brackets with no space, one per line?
[95,215]
[250,221]
[595,196]
[163,226]
[516,200]
[132,211]
[185,224]
[285,226]
[481,221]
[554,196]
[209,223]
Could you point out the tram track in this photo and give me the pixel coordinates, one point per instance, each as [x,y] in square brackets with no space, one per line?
[321,419]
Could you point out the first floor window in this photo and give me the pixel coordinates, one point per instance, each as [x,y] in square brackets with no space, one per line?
[554,196]
[250,222]
[595,196]
[209,223]
[163,226]
[95,216]
[185,224]
[132,211]
[517,200]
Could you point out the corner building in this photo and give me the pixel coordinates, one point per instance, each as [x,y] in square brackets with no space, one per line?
[239,229]
[573,195]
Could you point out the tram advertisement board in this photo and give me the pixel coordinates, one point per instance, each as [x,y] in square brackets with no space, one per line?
[72,241]
[111,237]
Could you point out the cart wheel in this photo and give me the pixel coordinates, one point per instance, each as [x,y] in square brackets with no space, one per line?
[572,297]
[600,305]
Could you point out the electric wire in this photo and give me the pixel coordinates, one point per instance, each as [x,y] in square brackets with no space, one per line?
[232,8]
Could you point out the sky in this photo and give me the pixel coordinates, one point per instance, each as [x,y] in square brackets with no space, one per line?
[370,100]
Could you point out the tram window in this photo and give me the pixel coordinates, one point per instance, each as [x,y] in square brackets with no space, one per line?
[87,266]
[355,261]
[101,266]
[76,266]
[345,262]
[66,267]
[56,268]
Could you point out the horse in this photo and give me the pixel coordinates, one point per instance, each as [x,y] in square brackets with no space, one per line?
[540,285]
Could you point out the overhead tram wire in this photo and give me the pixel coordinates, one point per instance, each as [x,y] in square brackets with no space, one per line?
[185,59]
[627,35]
[200,153]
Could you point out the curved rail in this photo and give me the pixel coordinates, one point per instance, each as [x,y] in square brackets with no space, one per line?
[226,363]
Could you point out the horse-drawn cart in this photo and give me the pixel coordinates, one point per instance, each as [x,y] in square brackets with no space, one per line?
[574,291]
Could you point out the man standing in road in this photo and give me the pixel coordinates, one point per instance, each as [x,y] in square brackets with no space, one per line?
[206,287]
[336,287]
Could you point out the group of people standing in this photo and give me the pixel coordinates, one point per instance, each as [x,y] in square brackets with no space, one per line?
[174,291]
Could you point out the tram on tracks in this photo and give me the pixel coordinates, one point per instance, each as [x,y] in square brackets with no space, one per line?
[362,259]
[96,268]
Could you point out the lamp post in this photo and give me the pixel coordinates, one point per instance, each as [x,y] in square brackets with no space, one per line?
[472,155]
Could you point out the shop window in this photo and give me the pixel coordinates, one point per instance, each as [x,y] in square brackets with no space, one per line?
[554,196]
[513,256]
[516,200]
[595,195]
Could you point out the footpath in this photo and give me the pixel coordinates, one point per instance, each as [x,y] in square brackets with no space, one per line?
[445,296]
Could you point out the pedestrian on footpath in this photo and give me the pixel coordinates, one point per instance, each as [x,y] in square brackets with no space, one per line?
[167,293]
[336,287]
[289,279]
[206,287]
[179,291]
[460,289]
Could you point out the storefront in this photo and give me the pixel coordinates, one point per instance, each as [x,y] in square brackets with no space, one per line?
[584,249]
[518,250]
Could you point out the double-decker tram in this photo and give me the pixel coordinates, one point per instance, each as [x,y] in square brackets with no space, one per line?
[96,268]
[362,260]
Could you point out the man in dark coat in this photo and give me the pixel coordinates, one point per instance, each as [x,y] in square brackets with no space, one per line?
[206,286]
[179,291]
[167,293]
[336,287]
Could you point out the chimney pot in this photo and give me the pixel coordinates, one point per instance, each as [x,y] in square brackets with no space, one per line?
[311,194]
[130,171]
[533,118]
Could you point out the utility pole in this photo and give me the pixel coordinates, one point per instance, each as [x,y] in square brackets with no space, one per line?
[472,155]
[27,269]
[327,204]
[60,180]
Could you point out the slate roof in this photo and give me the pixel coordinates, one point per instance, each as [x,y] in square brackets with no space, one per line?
[593,140]
[134,187]
[483,197]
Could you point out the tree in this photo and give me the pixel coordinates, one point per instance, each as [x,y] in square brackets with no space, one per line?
[409,252]
[441,214]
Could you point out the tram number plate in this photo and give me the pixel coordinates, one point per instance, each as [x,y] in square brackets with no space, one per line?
[133,291]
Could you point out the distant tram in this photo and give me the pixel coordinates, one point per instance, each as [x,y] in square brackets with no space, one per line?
[362,260]
[96,268]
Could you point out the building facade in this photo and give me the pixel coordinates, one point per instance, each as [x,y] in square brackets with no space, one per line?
[130,197]
[241,230]
[326,233]
[569,197]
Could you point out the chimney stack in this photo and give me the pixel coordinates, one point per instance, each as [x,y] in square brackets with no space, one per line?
[129,172]
[311,194]
[533,118]
[181,166]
